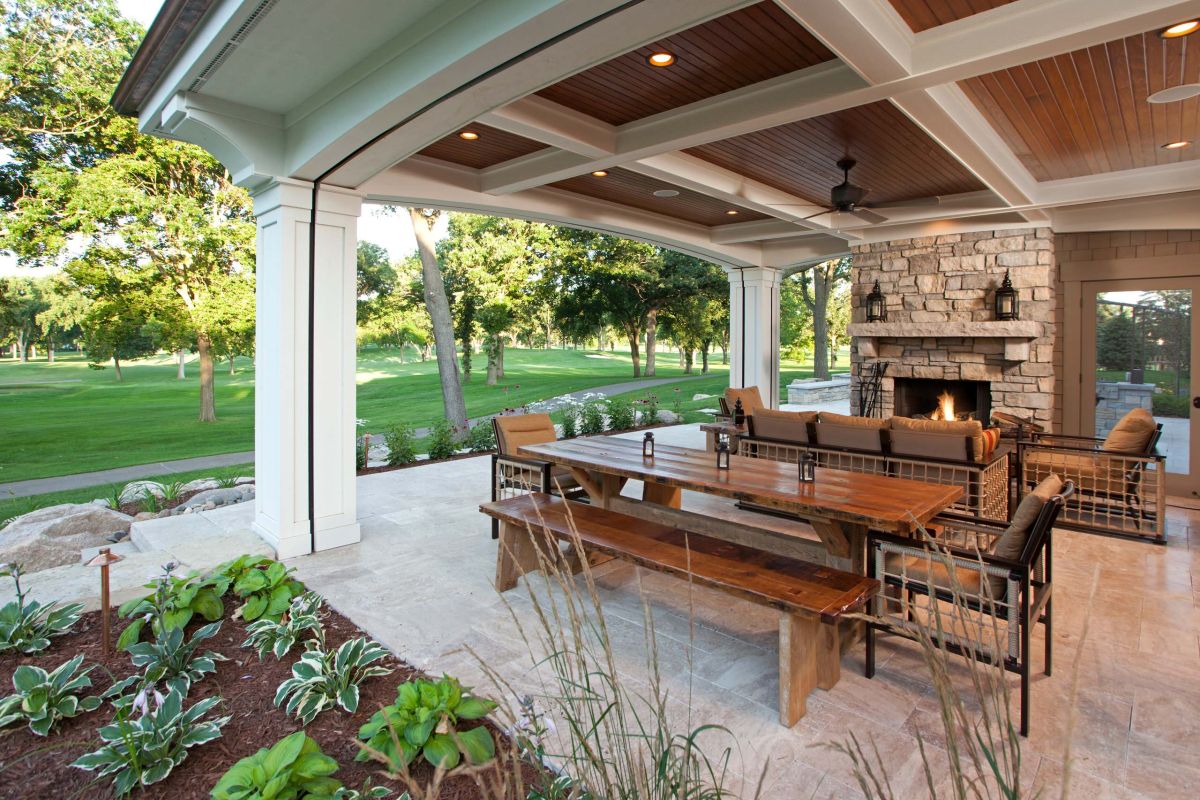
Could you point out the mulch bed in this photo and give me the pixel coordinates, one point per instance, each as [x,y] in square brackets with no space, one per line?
[33,766]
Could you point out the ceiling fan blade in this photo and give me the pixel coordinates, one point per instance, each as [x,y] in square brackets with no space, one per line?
[868,216]
[814,216]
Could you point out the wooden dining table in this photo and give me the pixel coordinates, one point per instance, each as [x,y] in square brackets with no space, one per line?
[839,505]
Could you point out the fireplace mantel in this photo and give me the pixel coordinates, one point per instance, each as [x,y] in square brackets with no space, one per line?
[1016,334]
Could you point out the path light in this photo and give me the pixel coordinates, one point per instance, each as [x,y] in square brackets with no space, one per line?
[104,559]
[648,445]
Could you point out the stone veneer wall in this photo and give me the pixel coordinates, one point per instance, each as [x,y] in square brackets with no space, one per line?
[951,278]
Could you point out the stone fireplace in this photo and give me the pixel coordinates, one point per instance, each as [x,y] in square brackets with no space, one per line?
[940,331]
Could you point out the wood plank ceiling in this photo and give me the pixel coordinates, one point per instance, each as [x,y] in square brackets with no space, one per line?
[1085,112]
[896,159]
[637,191]
[744,47]
[493,146]
[921,15]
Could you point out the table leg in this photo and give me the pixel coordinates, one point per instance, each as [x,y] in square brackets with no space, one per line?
[663,495]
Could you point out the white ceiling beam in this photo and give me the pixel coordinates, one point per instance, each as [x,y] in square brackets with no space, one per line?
[555,125]
[1172,211]
[757,231]
[1129,183]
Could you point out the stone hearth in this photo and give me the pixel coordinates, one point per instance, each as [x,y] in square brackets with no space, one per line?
[940,323]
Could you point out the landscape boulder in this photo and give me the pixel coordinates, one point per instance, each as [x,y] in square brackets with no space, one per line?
[135,491]
[51,537]
[199,485]
[213,498]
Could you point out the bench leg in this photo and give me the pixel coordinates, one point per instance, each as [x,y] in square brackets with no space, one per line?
[516,554]
[829,657]
[799,638]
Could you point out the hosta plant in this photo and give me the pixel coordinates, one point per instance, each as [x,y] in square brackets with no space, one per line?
[28,626]
[265,586]
[322,678]
[172,604]
[268,636]
[424,722]
[171,659]
[291,768]
[146,741]
[43,698]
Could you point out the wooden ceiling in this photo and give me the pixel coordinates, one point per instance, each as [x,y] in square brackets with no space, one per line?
[493,146]
[636,190]
[896,159]
[921,15]
[739,49]
[1085,112]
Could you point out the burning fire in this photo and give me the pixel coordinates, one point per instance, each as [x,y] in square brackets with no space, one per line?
[945,409]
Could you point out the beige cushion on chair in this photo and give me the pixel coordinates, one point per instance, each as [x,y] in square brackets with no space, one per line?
[786,426]
[1012,541]
[514,432]
[1092,473]
[749,395]
[1132,432]
[933,571]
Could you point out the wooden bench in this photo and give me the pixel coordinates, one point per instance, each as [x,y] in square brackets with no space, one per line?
[812,597]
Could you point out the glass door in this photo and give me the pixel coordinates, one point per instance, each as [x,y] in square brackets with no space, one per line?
[1140,343]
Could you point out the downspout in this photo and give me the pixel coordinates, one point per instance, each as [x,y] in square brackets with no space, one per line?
[312,226]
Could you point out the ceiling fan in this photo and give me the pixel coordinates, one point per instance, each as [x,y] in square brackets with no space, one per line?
[846,199]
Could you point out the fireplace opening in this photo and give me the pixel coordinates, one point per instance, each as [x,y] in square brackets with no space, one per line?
[929,398]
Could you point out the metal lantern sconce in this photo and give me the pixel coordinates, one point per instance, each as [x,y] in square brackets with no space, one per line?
[808,468]
[876,305]
[1007,303]
[648,445]
[723,454]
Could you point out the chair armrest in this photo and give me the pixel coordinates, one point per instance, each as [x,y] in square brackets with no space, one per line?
[905,546]
[519,460]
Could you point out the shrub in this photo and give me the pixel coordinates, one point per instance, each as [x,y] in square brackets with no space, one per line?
[172,604]
[481,438]
[142,751]
[28,627]
[42,698]
[268,636]
[442,442]
[677,402]
[172,490]
[620,414]
[226,481]
[322,678]
[112,497]
[570,421]
[149,502]
[170,659]
[263,583]
[424,722]
[360,452]
[401,444]
[292,767]
[1170,405]
[650,409]
[591,417]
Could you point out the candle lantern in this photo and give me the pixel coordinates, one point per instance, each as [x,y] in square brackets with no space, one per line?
[876,305]
[808,468]
[648,445]
[739,413]
[1006,300]
[723,454]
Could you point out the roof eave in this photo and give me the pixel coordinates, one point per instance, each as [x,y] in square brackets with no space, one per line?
[177,20]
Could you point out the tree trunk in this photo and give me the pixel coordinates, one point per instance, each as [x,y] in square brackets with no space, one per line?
[687,361]
[651,341]
[633,352]
[232,365]
[455,408]
[600,340]
[117,367]
[208,402]
[50,351]
[22,348]
[181,373]
[33,352]
[704,357]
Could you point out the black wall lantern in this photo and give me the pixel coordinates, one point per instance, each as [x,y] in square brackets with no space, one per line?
[648,445]
[808,468]
[723,455]
[876,305]
[1007,302]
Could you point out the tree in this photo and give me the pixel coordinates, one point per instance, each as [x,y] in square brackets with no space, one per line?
[694,294]
[438,307]
[24,300]
[65,312]
[391,311]
[1117,344]
[795,319]
[817,285]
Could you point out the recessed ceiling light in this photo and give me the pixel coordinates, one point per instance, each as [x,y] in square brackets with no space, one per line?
[600,173]
[470,136]
[660,59]
[731,212]
[1180,29]
[666,193]
[1176,94]
[1176,145]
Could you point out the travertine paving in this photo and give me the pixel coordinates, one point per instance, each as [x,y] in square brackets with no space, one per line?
[420,581]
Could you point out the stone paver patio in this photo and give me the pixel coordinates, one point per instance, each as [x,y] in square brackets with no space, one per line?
[420,581]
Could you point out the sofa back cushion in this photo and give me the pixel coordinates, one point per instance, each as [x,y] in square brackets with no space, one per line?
[926,444]
[785,426]
[970,429]
[856,433]
[1132,432]
[518,430]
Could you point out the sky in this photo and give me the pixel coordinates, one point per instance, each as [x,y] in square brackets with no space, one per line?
[391,231]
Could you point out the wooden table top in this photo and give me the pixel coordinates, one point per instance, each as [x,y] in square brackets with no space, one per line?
[889,504]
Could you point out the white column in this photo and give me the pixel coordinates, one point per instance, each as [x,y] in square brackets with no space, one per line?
[281,368]
[754,330]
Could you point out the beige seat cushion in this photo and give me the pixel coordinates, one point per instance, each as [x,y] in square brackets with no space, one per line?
[749,395]
[932,571]
[856,433]
[516,431]
[970,428]
[1092,473]
[785,426]
[1132,432]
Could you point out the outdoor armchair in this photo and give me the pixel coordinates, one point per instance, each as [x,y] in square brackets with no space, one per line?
[976,588]
[514,474]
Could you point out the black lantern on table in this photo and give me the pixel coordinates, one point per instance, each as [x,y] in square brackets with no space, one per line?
[648,445]
[876,305]
[723,454]
[808,468]
[1007,302]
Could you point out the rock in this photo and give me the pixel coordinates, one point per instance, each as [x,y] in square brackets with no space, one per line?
[216,497]
[51,537]
[144,515]
[199,485]
[667,417]
[135,491]
[244,480]
[100,501]
[123,549]
[701,396]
